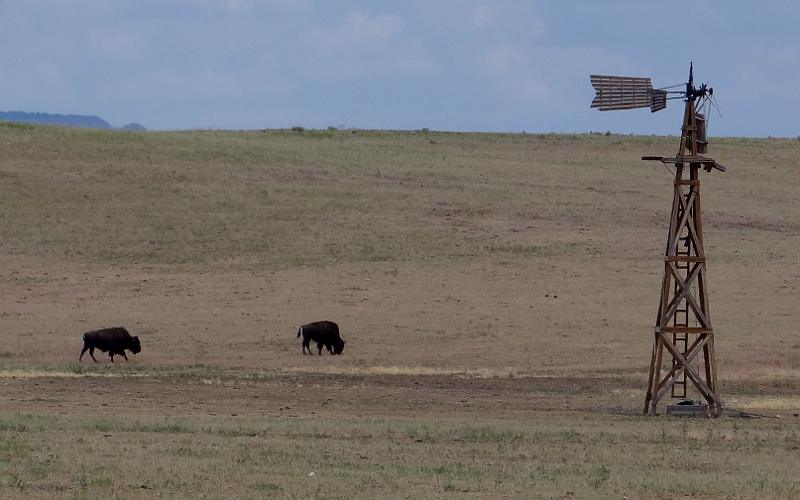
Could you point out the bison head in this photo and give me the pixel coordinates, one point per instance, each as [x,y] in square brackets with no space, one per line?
[135,347]
[338,348]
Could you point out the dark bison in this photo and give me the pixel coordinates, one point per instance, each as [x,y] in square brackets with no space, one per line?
[324,333]
[111,340]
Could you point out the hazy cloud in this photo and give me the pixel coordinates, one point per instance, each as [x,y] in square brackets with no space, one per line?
[395,67]
[504,58]
[501,16]
[117,45]
[36,86]
[530,89]
[483,16]
[526,75]
[227,6]
[358,28]
[366,45]
[205,84]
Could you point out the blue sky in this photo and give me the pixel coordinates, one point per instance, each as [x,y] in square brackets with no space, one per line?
[445,65]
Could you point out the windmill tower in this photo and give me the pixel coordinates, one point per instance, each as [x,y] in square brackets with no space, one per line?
[683,342]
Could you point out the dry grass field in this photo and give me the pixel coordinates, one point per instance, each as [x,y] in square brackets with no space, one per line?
[497,293]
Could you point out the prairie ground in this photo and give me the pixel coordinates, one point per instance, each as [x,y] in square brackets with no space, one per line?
[497,293]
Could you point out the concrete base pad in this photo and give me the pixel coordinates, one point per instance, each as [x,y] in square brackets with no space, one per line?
[688,410]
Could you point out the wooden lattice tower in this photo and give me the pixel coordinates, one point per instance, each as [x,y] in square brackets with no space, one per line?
[683,334]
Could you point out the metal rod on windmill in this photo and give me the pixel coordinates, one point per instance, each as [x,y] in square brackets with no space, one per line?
[683,341]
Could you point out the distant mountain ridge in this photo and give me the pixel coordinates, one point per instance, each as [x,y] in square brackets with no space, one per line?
[82,121]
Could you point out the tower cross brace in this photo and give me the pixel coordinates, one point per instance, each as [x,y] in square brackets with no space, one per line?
[683,335]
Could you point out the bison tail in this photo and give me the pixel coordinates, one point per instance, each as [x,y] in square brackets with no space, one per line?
[299,332]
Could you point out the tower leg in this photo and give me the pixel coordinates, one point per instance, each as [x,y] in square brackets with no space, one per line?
[655,387]
[683,323]
[650,380]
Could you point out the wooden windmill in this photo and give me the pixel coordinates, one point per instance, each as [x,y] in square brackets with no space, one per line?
[683,344]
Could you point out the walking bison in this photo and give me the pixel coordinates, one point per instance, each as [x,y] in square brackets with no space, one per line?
[111,340]
[324,333]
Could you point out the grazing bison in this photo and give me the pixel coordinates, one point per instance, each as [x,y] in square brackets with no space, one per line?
[112,340]
[324,333]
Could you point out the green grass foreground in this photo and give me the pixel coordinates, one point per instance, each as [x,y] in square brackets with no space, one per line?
[224,457]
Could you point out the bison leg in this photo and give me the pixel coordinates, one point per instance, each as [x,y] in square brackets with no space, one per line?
[306,346]
[124,355]
[85,348]
[112,356]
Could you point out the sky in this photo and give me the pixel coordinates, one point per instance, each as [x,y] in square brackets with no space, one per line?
[460,65]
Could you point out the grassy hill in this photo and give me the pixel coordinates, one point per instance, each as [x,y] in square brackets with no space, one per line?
[282,198]
[497,292]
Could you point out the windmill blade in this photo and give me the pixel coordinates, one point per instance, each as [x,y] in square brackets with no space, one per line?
[621,92]
[624,92]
